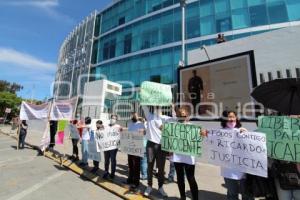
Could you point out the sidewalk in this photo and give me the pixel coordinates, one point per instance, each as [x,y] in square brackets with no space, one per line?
[208,176]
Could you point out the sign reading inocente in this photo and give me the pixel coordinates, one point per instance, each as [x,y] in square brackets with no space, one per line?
[132,143]
[182,138]
[155,94]
[93,153]
[283,137]
[245,152]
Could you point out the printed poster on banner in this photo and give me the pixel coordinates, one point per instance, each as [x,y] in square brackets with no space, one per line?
[155,94]
[283,137]
[31,111]
[107,139]
[132,143]
[245,152]
[182,139]
[93,153]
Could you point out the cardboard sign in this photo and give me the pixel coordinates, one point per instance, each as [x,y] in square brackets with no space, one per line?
[93,153]
[182,138]
[132,143]
[245,152]
[107,139]
[283,137]
[155,94]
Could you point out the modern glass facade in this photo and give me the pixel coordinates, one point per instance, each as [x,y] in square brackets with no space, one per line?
[139,40]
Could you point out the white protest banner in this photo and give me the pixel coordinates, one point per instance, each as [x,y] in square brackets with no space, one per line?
[132,143]
[93,153]
[108,139]
[74,133]
[62,110]
[245,152]
[31,111]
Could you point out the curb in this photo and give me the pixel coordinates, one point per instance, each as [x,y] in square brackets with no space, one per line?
[114,188]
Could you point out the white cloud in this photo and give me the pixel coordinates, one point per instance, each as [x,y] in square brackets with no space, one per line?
[36,3]
[24,60]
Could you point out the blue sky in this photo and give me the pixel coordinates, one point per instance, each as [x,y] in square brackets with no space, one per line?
[31,32]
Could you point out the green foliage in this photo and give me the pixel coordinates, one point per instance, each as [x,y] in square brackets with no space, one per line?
[6,86]
[9,100]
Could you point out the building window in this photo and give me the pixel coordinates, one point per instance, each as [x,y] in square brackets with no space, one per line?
[109,49]
[279,74]
[258,15]
[270,76]
[97,26]
[94,59]
[127,43]
[223,24]
[240,18]
[261,78]
[288,73]
[277,12]
[298,72]
[121,20]
[293,7]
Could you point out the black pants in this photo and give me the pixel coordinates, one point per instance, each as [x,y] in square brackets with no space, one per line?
[75,147]
[189,170]
[110,156]
[22,137]
[52,138]
[154,153]
[96,164]
[134,164]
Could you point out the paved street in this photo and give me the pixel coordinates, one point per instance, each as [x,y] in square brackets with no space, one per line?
[26,176]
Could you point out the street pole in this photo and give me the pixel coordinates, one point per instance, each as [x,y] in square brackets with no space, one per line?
[183,5]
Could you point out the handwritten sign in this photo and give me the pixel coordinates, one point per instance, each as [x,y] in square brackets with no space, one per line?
[107,139]
[93,153]
[246,152]
[132,143]
[283,137]
[182,138]
[155,94]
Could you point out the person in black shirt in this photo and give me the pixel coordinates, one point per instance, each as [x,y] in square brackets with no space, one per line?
[53,129]
[195,86]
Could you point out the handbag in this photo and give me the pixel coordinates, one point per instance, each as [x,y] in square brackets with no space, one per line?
[288,175]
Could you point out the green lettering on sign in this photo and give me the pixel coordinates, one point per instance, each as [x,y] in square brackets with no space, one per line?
[155,94]
[283,137]
[182,139]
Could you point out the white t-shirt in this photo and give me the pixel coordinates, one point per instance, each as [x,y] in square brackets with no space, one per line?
[180,158]
[232,173]
[86,132]
[154,122]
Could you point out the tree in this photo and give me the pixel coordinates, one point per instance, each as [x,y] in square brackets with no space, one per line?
[6,86]
[9,100]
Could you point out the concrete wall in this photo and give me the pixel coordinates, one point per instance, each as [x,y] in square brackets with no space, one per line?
[273,51]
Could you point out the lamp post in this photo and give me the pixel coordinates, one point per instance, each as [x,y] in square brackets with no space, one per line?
[183,5]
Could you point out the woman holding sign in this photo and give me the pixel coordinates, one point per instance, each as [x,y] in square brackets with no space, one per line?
[185,164]
[234,180]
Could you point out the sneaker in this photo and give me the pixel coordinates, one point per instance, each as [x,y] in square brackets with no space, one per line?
[162,192]
[144,178]
[112,176]
[148,191]
[82,164]
[94,170]
[105,175]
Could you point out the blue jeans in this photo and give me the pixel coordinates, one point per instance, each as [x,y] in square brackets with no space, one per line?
[172,171]
[85,151]
[110,156]
[233,189]
[144,166]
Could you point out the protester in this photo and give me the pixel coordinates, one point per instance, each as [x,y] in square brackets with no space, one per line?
[53,130]
[134,162]
[184,164]
[234,180]
[155,119]
[144,165]
[110,155]
[85,141]
[99,129]
[22,134]
[73,128]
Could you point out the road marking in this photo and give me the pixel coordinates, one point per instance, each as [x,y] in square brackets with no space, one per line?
[36,187]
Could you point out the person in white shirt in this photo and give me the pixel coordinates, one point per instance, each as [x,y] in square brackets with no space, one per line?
[110,155]
[234,180]
[85,141]
[184,164]
[134,162]
[155,119]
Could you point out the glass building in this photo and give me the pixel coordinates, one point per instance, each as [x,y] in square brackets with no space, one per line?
[139,40]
